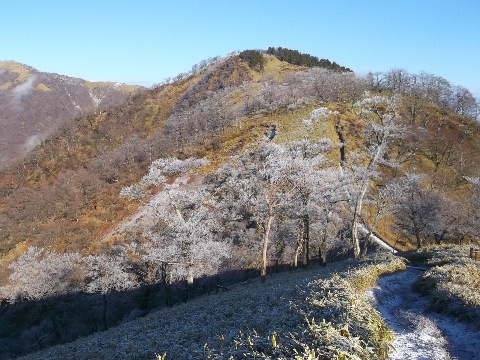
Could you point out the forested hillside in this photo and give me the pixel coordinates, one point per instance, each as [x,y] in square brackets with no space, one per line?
[244,164]
[33,104]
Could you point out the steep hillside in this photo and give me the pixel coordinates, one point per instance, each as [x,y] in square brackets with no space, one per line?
[33,104]
[106,151]
[65,194]
[243,165]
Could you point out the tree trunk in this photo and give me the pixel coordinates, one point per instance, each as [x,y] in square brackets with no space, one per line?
[305,239]
[419,240]
[382,142]
[365,245]
[322,254]
[355,240]
[359,204]
[190,274]
[295,255]
[263,271]
[298,248]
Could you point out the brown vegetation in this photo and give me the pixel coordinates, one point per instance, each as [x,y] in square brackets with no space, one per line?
[64,194]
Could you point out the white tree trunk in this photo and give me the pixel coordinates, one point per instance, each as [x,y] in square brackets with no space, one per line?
[356,218]
[266,235]
[190,275]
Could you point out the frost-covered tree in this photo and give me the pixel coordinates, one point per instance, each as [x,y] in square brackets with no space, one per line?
[184,243]
[380,116]
[273,182]
[319,186]
[162,168]
[328,208]
[425,87]
[188,241]
[257,183]
[108,272]
[158,173]
[38,274]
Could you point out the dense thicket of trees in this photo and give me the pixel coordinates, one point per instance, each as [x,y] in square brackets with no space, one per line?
[297,58]
[254,59]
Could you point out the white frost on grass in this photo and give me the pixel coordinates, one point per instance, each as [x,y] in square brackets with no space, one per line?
[419,334]
[206,325]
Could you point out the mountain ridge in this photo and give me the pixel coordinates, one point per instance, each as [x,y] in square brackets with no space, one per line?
[202,144]
[241,103]
[35,103]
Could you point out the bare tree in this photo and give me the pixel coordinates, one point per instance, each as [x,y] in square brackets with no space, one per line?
[379,201]
[472,220]
[464,103]
[380,116]
[417,210]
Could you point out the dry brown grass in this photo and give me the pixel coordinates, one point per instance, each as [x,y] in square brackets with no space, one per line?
[22,72]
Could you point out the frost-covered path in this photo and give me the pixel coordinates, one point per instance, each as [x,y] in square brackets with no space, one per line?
[420,334]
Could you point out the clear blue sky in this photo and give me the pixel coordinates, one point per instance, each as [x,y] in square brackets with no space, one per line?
[146,41]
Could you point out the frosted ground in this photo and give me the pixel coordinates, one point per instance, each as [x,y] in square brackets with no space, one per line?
[211,327]
[241,321]
[420,334]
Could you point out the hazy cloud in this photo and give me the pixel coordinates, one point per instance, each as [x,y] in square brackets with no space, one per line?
[24,89]
[31,142]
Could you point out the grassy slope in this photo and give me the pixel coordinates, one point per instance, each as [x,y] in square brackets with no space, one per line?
[21,72]
[321,311]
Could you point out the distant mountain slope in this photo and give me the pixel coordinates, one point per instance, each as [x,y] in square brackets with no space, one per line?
[33,104]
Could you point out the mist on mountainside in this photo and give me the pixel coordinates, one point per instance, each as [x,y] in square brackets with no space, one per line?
[34,104]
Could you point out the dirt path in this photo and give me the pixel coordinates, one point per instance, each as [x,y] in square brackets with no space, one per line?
[420,334]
